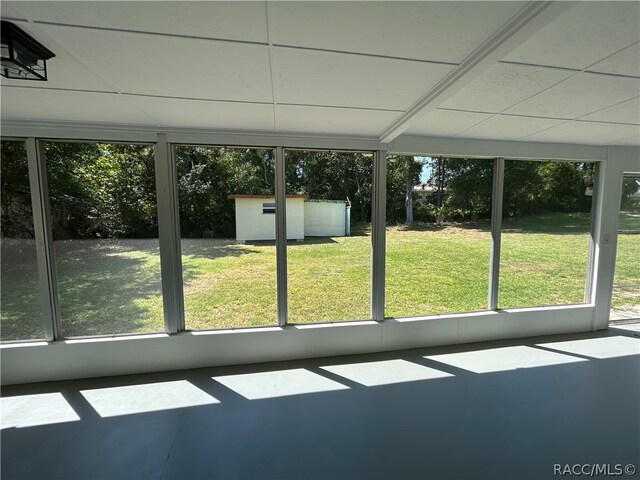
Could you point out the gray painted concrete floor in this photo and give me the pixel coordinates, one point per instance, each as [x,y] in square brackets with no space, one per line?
[508,409]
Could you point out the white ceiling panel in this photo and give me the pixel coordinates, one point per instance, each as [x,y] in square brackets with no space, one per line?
[625,112]
[507,127]
[334,79]
[40,104]
[503,86]
[440,31]
[171,66]
[228,20]
[446,123]
[633,141]
[63,71]
[586,133]
[586,33]
[171,112]
[339,121]
[8,11]
[580,95]
[626,62]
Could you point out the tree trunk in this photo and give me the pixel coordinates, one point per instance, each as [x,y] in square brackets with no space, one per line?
[409,191]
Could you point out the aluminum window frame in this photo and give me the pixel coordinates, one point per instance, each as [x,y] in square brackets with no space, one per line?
[172,290]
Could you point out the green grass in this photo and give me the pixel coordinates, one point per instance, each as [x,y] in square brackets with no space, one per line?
[113,286]
[626,283]
[544,260]
[430,271]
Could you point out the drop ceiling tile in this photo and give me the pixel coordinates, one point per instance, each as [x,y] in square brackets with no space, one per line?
[580,95]
[626,62]
[446,123]
[334,79]
[40,104]
[633,141]
[10,12]
[229,20]
[586,33]
[172,112]
[171,66]
[504,85]
[339,121]
[63,71]
[625,112]
[585,133]
[441,31]
[507,127]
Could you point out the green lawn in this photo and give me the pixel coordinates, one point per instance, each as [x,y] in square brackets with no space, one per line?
[113,286]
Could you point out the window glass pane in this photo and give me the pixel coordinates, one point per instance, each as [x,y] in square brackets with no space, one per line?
[328,232]
[625,303]
[545,235]
[228,236]
[20,314]
[438,235]
[105,230]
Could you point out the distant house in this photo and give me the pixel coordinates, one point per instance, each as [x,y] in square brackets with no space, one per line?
[424,192]
[255,217]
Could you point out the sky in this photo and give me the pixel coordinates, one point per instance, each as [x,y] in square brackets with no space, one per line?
[426,169]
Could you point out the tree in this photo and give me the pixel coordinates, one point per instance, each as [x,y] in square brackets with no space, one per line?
[327,175]
[101,190]
[403,173]
[15,200]
[469,184]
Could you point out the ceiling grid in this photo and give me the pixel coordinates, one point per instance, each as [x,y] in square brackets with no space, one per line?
[565,73]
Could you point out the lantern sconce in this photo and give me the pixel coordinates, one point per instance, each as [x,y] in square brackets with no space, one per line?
[23,57]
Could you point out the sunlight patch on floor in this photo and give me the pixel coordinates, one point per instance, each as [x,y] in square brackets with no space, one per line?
[371,374]
[503,359]
[150,397]
[282,383]
[34,410]
[605,347]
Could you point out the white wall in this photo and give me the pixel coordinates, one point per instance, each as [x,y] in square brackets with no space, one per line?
[82,358]
[252,224]
[324,219]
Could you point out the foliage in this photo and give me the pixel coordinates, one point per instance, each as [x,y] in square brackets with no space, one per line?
[101,190]
[332,176]
[469,185]
[631,194]
[108,190]
[206,178]
[530,187]
[403,172]
[17,216]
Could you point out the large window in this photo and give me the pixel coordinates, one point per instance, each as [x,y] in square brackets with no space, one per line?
[105,231]
[625,303]
[438,235]
[328,227]
[545,235]
[227,224]
[20,314]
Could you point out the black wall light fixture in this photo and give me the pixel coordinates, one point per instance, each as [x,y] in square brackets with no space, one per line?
[22,56]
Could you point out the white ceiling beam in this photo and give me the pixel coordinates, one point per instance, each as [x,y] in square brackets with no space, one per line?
[516,31]
[486,148]
[108,132]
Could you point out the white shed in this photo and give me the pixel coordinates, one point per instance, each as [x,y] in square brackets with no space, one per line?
[326,218]
[256,219]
